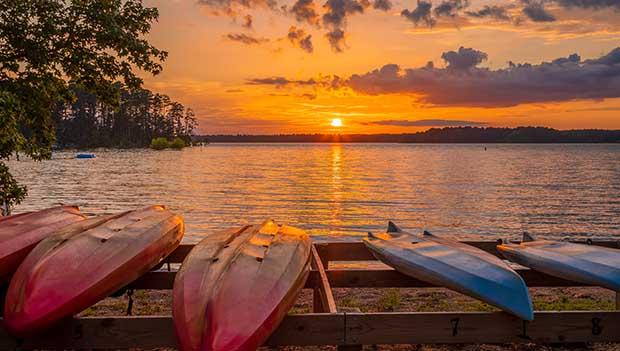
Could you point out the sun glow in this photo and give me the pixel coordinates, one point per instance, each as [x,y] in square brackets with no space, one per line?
[336,122]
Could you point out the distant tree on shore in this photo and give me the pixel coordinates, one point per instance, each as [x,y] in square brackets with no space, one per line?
[463,135]
[140,117]
[48,45]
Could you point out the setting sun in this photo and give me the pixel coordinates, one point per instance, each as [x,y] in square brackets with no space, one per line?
[336,122]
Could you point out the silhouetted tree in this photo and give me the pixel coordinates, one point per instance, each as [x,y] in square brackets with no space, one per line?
[140,117]
[45,45]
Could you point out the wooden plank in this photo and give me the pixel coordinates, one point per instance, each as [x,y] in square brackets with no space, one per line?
[390,278]
[157,280]
[100,333]
[499,327]
[178,255]
[149,332]
[322,251]
[356,251]
[323,294]
[358,278]
[310,329]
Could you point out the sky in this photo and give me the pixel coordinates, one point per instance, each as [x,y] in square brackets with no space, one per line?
[390,66]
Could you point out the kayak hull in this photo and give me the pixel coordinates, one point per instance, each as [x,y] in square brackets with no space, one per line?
[459,267]
[588,264]
[236,286]
[79,266]
[20,233]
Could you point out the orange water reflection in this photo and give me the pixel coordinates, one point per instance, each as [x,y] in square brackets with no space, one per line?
[348,189]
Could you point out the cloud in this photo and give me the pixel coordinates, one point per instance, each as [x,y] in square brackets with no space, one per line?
[422,13]
[462,83]
[335,18]
[305,11]
[450,8]
[383,5]
[425,123]
[589,4]
[300,38]
[499,13]
[308,96]
[612,58]
[279,81]
[535,10]
[245,39]
[247,21]
[336,39]
[463,59]
[233,7]
[337,11]
[234,91]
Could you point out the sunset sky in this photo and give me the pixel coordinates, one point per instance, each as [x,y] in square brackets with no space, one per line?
[293,66]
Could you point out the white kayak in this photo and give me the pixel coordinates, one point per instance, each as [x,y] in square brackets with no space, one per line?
[454,265]
[588,264]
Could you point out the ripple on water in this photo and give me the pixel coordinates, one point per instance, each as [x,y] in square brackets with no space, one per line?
[346,190]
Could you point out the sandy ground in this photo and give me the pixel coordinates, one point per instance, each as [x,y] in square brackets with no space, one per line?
[150,302]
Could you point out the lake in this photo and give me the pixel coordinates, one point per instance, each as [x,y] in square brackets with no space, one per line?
[461,191]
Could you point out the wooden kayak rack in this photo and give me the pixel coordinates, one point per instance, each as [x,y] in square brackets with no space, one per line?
[327,326]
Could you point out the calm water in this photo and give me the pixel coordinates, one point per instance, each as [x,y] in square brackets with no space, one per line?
[349,189]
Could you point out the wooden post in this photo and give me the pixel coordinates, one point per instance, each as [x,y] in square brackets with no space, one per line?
[321,250]
[323,297]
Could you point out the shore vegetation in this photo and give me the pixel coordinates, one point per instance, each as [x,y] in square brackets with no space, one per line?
[48,48]
[162,143]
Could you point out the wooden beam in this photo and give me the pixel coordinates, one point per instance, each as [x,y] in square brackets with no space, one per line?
[178,255]
[356,251]
[323,295]
[358,278]
[149,332]
[309,329]
[390,278]
[466,328]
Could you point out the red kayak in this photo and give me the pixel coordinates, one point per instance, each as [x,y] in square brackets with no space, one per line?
[20,233]
[235,287]
[76,268]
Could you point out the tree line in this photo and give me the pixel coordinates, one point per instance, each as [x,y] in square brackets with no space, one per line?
[139,117]
[437,135]
[48,46]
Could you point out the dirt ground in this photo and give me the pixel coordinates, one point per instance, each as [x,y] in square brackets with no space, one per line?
[152,302]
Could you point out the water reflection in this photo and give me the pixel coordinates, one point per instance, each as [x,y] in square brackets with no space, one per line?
[348,189]
[336,188]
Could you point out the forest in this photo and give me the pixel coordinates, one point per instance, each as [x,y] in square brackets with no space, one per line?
[438,135]
[139,117]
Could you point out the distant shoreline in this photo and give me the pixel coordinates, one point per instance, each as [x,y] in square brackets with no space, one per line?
[453,135]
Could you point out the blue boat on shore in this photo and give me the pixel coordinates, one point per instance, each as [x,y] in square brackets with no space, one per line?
[85,156]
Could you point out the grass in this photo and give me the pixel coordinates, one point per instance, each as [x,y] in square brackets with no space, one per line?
[390,300]
[573,304]
[177,143]
[159,144]
[163,143]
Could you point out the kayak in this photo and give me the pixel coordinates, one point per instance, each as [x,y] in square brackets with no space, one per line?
[235,287]
[454,265]
[20,233]
[82,156]
[86,262]
[588,264]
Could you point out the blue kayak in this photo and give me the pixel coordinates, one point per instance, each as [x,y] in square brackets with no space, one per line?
[85,156]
